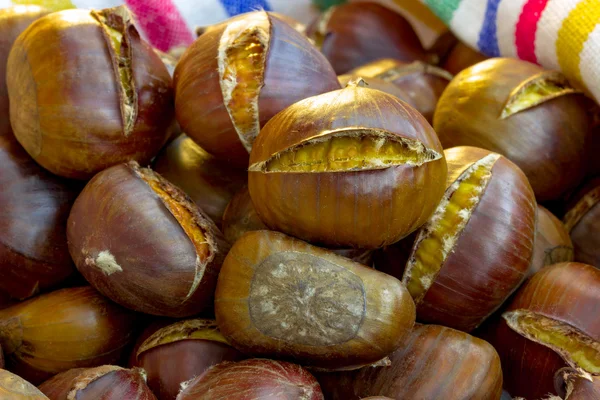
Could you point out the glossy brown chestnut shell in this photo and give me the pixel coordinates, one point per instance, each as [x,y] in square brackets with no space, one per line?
[234,78]
[129,226]
[572,384]
[351,168]
[353,34]
[562,301]
[107,382]
[378,84]
[240,217]
[279,297]
[253,379]
[436,362]
[87,93]
[68,328]
[13,387]
[182,351]
[475,250]
[552,242]
[531,116]
[461,57]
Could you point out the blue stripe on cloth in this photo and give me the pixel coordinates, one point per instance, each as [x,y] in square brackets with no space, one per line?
[235,7]
[488,39]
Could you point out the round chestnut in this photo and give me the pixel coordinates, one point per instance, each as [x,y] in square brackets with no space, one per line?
[531,116]
[572,384]
[353,34]
[461,57]
[475,250]
[182,351]
[13,387]
[255,379]
[68,328]
[351,168]
[129,226]
[209,182]
[378,84]
[294,23]
[551,323]
[107,382]
[279,297]
[582,221]
[234,78]
[436,362]
[87,93]
[552,242]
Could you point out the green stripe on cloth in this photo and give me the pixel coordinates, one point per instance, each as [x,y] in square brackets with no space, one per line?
[444,8]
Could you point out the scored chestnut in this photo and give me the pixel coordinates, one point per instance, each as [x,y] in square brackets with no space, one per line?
[129,226]
[13,387]
[351,168]
[379,84]
[235,77]
[552,242]
[435,360]
[68,328]
[253,379]
[107,382]
[573,384]
[533,117]
[181,351]
[87,93]
[475,250]
[279,297]
[353,34]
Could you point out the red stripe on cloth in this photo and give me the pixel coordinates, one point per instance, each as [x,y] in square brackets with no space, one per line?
[526,29]
[161,23]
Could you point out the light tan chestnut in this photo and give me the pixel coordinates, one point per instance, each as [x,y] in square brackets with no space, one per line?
[279,297]
[13,387]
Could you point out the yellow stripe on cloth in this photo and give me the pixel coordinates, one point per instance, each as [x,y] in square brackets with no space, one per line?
[573,34]
[54,5]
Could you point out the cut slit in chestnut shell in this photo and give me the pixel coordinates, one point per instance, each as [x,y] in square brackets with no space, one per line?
[130,225]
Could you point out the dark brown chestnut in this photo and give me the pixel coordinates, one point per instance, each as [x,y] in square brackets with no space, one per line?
[356,33]
[87,93]
[209,182]
[255,379]
[475,250]
[436,362]
[107,382]
[551,323]
[182,351]
[351,168]
[13,387]
[234,78]
[461,57]
[573,384]
[279,297]
[129,226]
[552,242]
[68,328]
[530,115]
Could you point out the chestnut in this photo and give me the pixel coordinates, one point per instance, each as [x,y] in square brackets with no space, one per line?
[294,23]
[423,83]
[13,387]
[234,78]
[255,379]
[461,57]
[531,116]
[572,384]
[181,351]
[152,327]
[351,168]
[87,93]
[582,221]
[13,21]
[551,323]
[107,382]
[129,226]
[240,217]
[436,362]
[279,297]
[33,242]
[475,250]
[379,84]
[64,329]
[353,34]
[552,242]
[209,182]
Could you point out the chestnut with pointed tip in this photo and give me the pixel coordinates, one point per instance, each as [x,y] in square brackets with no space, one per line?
[353,34]
[552,242]
[182,351]
[233,79]
[87,93]
[378,84]
[436,362]
[279,297]
[475,250]
[107,382]
[68,328]
[13,387]
[573,384]
[532,116]
[255,379]
[129,226]
[351,168]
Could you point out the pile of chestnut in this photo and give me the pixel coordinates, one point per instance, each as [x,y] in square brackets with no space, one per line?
[290,212]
